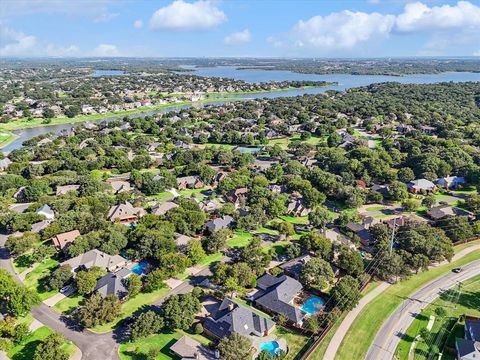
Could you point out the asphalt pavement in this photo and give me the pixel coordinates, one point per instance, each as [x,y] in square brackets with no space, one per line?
[390,334]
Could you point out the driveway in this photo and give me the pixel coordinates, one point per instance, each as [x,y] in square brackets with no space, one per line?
[389,336]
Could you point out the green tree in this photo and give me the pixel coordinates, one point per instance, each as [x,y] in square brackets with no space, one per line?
[146,324]
[397,191]
[134,285]
[216,241]
[19,245]
[51,349]
[320,217]
[98,310]
[60,277]
[195,251]
[179,311]
[235,347]
[317,273]
[155,280]
[317,243]
[346,293]
[85,281]
[350,260]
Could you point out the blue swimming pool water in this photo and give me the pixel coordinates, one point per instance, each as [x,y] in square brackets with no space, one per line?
[271,346]
[312,305]
[139,269]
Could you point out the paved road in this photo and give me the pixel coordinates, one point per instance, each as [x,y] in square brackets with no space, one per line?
[339,335]
[389,336]
[93,346]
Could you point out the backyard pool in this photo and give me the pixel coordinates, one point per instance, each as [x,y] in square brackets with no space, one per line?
[271,346]
[140,268]
[312,305]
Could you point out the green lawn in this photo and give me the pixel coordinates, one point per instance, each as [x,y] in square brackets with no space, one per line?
[456,302]
[6,137]
[165,195]
[192,192]
[240,239]
[375,208]
[68,304]
[301,220]
[370,320]
[210,259]
[33,280]
[26,349]
[295,341]
[138,350]
[132,305]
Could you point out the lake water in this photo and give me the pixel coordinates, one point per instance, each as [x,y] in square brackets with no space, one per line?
[344,81]
[99,73]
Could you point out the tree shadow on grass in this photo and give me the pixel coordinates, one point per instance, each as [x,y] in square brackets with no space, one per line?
[27,352]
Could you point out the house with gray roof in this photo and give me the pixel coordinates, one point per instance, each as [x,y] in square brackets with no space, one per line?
[162,209]
[97,258]
[46,211]
[276,295]
[468,348]
[187,348]
[450,182]
[125,213]
[421,185]
[442,211]
[231,317]
[62,190]
[220,223]
[5,163]
[114,283]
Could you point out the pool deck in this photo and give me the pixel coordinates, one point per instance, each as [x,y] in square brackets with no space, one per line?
[256,341]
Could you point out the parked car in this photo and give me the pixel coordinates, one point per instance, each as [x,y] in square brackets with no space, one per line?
[457,270]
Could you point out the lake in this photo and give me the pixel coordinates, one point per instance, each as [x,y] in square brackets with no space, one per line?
[344,81]
[99,73]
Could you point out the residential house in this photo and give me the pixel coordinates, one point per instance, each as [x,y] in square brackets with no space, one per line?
[468,348]
[277,294]
[441,211]
[450,182]
[120,186]
[4,163]
[114,283]
[20,194]
[125,213]
[361,231]
[220,223]
[209,205]
[231,317]
[162,209]
[39,226]
[429,130]
[46,211]
[421,185]
[235,195]
[62,240]
[62,190]
[189,182]
[97,258]
[182,241]
[382,189]
[297,207]
[187,348]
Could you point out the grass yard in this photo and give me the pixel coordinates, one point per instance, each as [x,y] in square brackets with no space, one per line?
[376,208]
[165,195]
[138,350]
[295,341]
[240,239]
[33,280]
[192,192]
[456,302]
[68,304]
[6,137]
[369,321]
[301,220]
[210,259]
[132,305]
[26,349]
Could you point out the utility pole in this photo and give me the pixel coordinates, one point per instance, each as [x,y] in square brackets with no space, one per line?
[393,236]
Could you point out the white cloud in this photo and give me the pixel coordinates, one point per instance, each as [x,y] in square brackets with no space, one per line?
[105,17]
[239,37]
[419,17]
[476,53]
[16,43]
[105,50]
[138,24]
[90,8]
[341,30]
[184,16]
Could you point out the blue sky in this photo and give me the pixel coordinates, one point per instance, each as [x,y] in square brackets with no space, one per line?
[263,28]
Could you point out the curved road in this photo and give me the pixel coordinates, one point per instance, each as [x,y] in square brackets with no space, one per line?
[390,334]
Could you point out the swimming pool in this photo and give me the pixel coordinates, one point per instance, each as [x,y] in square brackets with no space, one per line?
[140,268]
[271,346]
[312,305]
